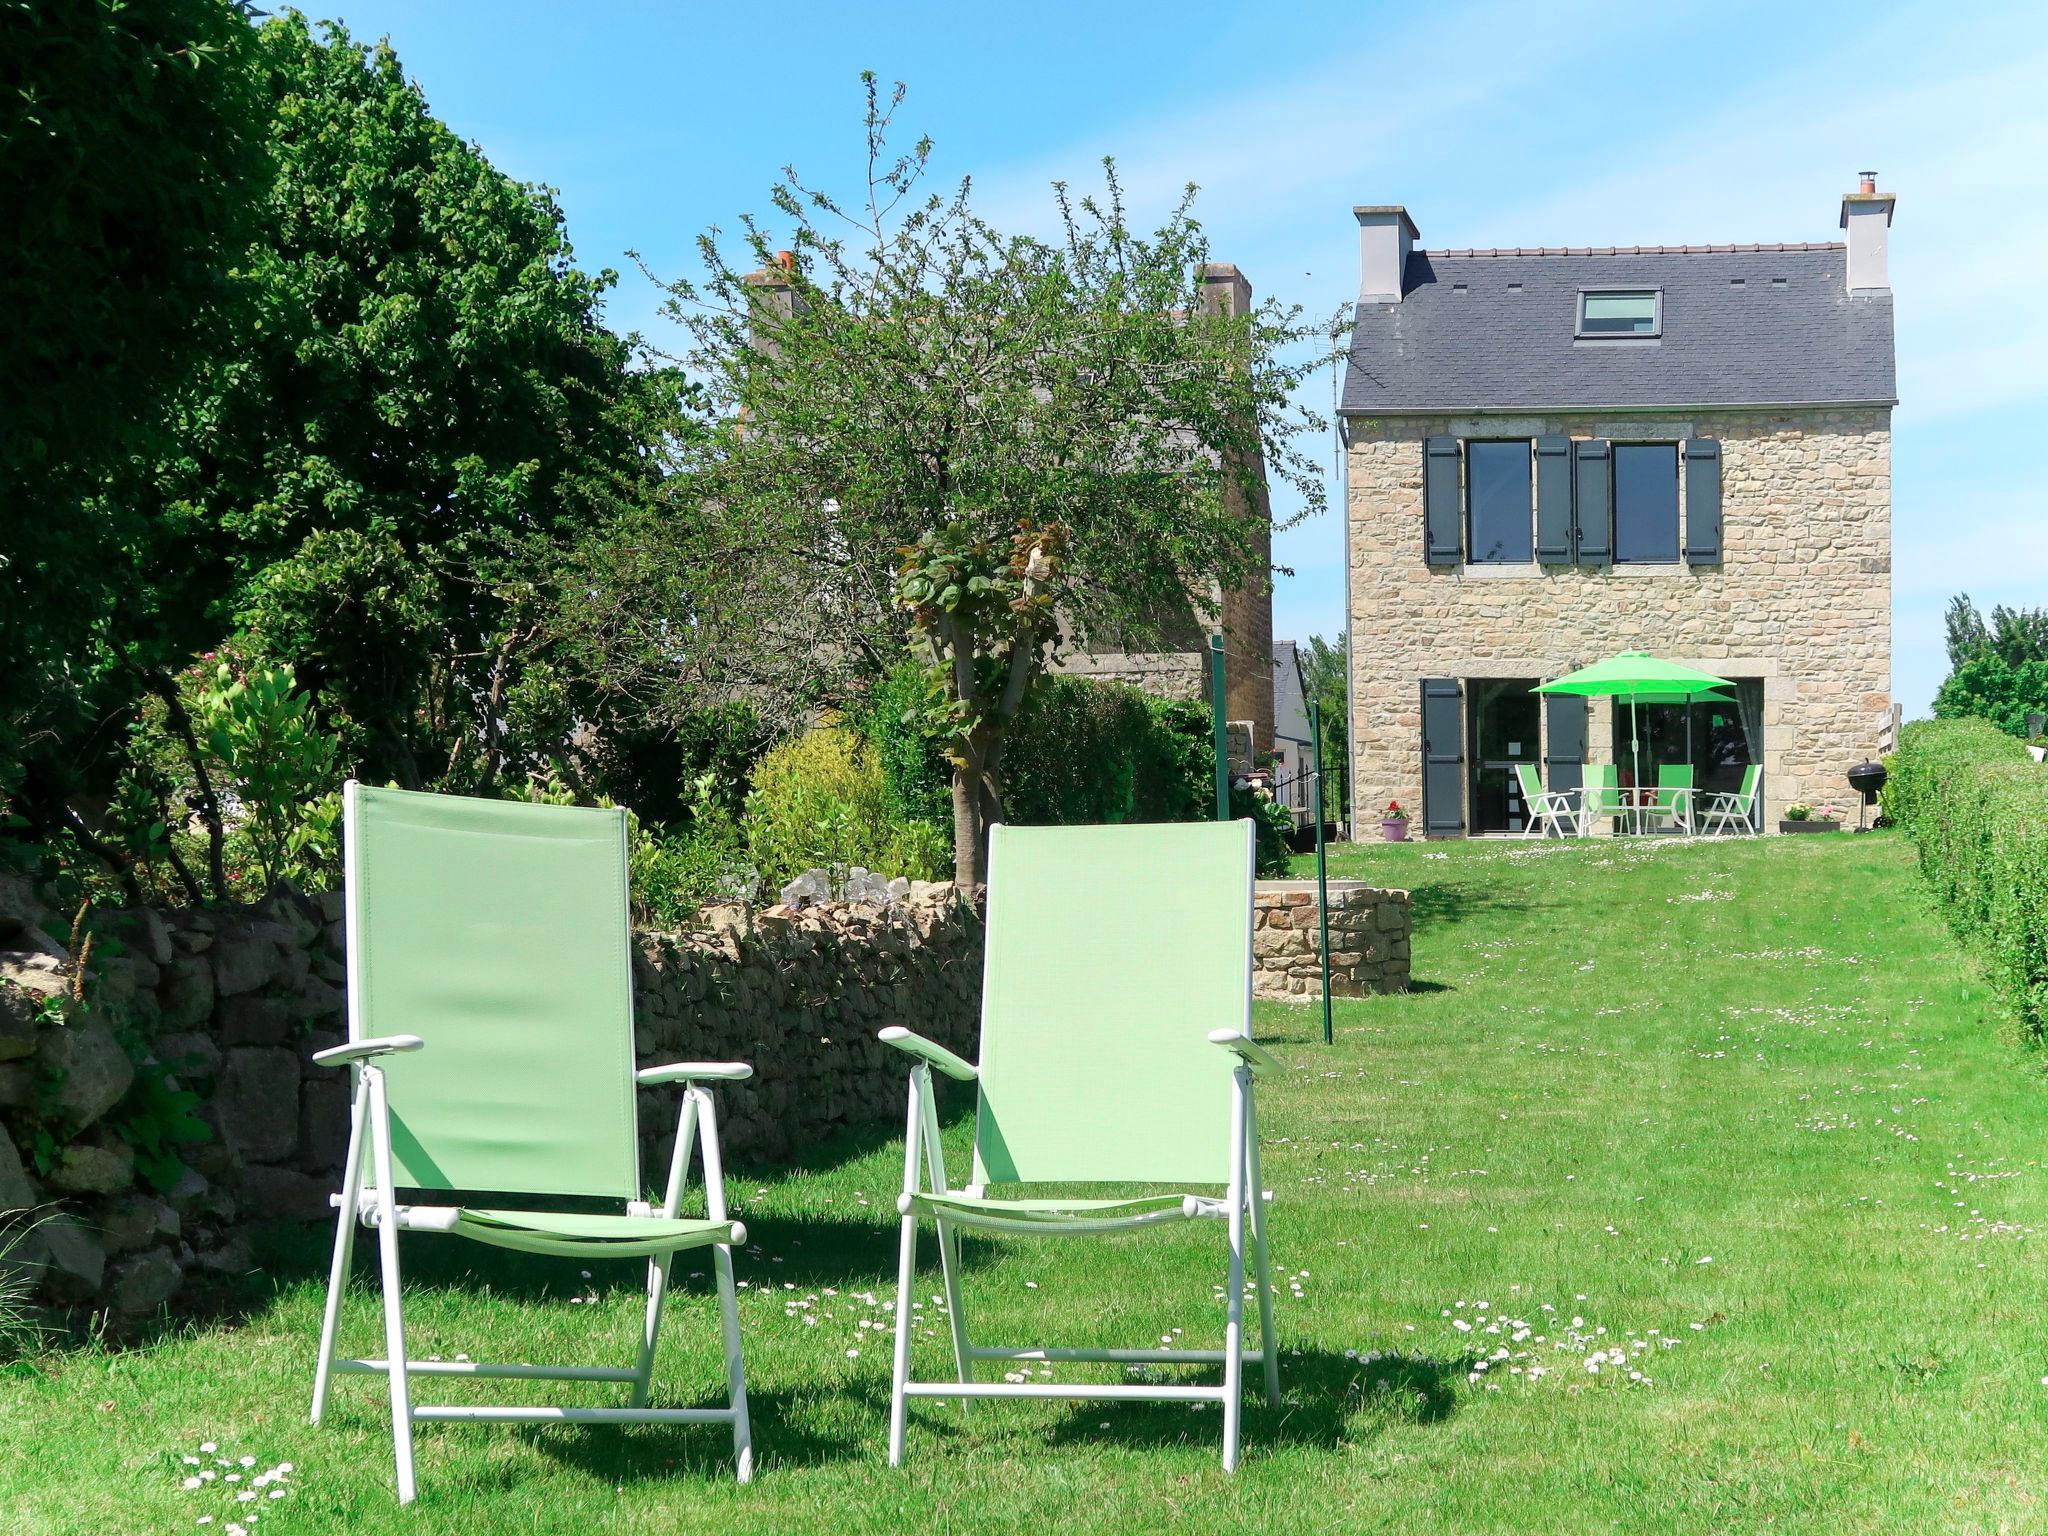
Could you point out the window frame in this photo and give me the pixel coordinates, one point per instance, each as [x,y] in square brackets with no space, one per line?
[1471,544]
[1615,449]
[1654,294]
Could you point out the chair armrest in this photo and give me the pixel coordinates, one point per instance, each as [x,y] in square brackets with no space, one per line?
[933,1054]
[363,1050]
[1253,1055]
[694,1072]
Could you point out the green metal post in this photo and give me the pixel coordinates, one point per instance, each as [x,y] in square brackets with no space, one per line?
[1219,708]
[1315,731]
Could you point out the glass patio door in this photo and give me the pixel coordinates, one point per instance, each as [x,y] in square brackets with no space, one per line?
[1503,729]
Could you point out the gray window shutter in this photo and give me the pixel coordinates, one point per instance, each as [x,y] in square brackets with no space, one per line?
[1554,500]
[1593,500]
[1702,501]
[1443,510]
[1443,755]
[1564,741]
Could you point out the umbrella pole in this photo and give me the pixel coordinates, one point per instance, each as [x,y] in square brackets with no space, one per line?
[1635,758]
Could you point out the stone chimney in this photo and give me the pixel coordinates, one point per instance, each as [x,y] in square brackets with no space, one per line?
[1867,216]
[1225,290]
[1385,237]
[771,295]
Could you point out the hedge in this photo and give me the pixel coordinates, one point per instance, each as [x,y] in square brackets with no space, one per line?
[1976,805]
[1082,752]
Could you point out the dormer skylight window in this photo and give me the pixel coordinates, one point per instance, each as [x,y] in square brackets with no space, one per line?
[1606,313]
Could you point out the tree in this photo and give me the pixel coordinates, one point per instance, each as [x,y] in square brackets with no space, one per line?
[131,141]
[424,387]
[409,405]
[1325,664]
[1047,441]
[1998,671]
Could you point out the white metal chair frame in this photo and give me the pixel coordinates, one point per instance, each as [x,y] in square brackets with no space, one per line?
[1242,1207]
[1550,810]
[370,1135]
[1728,808]
[1676,802]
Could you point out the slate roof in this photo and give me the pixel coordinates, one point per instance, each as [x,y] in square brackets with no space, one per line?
[1290,710]
[1463,338]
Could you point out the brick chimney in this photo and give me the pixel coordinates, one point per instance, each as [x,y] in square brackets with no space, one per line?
[1385,237]
[1867,217]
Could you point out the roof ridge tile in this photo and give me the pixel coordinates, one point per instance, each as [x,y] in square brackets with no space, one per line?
[1760,248]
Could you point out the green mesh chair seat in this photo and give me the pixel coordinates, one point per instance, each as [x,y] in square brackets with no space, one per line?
[490,1012]
[593,1237]
[1056,1215]
[1115,1051]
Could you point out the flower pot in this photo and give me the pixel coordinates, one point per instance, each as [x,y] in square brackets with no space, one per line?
[1812,824]
[1395,830]
[2038,753]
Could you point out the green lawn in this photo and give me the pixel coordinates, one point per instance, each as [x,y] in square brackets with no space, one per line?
[1736,1119]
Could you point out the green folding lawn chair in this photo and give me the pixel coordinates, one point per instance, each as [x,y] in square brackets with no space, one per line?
[1726,812]
[1115,1049]
[1550,811]
[490,1012]
[1602,796]
[1675,795]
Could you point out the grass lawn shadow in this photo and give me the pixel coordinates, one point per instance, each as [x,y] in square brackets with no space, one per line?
[1446,905]
[1326,1400]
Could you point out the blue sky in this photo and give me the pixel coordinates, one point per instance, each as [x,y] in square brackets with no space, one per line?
[1495,125]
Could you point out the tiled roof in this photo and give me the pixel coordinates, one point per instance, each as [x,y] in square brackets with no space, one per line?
[1742,325]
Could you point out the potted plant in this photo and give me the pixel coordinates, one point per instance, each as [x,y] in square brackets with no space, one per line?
[1394,823]
[1801,817]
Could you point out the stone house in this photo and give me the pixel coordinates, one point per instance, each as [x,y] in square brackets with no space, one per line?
[1293,745]
[1553,455]
[1174,661]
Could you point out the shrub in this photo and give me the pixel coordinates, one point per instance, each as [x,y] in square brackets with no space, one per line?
[904,722]
[819,801]
[1087,752]
[1977,808]
[672,871]
[1084,753]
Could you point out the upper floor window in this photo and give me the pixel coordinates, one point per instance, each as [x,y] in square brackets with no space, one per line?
[1645,503]
[1497,516]
[1607,312]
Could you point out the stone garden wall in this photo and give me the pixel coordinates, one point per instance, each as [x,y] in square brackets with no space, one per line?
[1370,931]
[229,1005]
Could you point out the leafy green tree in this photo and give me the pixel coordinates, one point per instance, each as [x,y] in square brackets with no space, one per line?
[1998,671]
[409,406]
[131,144]
[1324,664]
[423,391]
[1057,440]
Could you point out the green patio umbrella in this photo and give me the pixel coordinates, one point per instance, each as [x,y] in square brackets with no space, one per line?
[1640,678]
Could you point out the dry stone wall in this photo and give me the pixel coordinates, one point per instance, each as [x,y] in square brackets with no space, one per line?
[1801,598]
[1370,934]
[230,1005]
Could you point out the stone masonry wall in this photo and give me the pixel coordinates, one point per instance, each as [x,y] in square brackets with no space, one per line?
[1802,598]
[231,1004]
[1370,933]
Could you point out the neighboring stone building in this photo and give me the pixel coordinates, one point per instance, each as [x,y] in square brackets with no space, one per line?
[1293,745]
[1557,454]
[1177,664]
